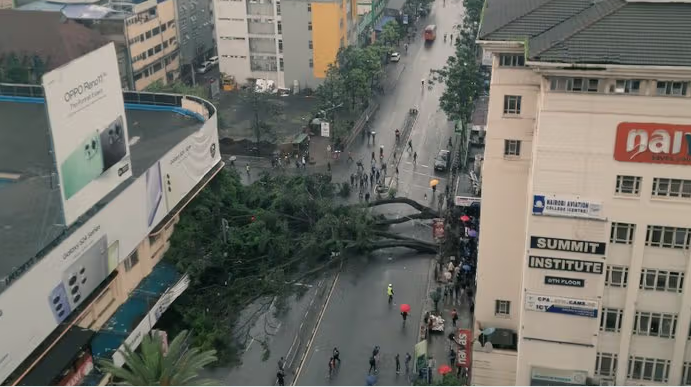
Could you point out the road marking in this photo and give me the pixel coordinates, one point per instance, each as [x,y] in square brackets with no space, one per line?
[314,334]
[249,345]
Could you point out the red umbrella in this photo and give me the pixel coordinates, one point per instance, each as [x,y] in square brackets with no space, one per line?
[465,218]
[405,308]
[444,369]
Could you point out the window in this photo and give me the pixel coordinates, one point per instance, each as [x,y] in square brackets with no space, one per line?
[163,28]
[673,188]
[502,308]
[512,147]
[512,104]
[279,27]
[672,88]
[610,321]
[311,45]
[643,368]
[626,86]
[150,52]
[148,34]
[662,280]
[156,31]
[280,45]
[309,7]
[131,261]
[686,376]
[622,233]
[574,84]
[309,26]
[157,48]
[278,8]
[628,185]
[606,364]
[669,237]
[280,64]
[617,276]
[655,324]
[311,62]
[165,45]
[511,60]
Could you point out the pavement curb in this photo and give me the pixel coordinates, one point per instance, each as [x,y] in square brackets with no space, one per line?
[427,304]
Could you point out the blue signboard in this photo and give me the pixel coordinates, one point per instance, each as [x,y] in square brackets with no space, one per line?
[562,305]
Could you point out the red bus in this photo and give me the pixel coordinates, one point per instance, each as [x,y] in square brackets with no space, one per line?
[430,33]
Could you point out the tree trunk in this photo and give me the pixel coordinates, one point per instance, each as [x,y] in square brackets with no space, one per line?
[403,219]
[420,246]
[410,202]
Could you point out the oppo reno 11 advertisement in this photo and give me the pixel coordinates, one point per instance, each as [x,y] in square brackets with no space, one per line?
[88,129]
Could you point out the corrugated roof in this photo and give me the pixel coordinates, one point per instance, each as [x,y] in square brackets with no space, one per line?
[594,31]
[58,40]
[636,34]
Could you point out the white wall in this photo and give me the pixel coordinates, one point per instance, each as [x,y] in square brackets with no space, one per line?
[231,21]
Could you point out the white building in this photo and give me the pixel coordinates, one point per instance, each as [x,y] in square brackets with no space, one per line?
[588,140]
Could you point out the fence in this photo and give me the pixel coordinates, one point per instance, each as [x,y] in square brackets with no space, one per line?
[362,121]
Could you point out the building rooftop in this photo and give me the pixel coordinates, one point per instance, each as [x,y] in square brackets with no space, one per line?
[31,210]
[57,42]
[642,33]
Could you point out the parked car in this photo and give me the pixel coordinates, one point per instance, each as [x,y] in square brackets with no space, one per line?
[213,60]
[204,67]
[443,160]
[395,57]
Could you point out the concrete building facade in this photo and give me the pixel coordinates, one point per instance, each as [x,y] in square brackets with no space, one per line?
[291,42]
[585,236]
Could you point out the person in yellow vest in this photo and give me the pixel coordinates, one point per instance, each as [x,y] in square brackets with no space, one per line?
[389,292]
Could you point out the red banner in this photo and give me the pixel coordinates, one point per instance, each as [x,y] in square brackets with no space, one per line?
[653,143]
[438,228]
[83,368]
[465,340]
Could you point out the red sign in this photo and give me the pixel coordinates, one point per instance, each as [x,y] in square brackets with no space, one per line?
[653,143]
[84,366]
[465,339]
[438,228]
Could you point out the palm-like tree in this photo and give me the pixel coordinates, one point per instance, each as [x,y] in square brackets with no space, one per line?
[180,366]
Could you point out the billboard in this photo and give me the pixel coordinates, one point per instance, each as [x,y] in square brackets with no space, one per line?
[653,143]
[188,162]
[88,128]
[567,207]
[562,305]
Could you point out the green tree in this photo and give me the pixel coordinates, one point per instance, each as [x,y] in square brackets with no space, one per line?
[265,109]
[332,91]
[390,34]
[241,243]
[178,88]
[180,366]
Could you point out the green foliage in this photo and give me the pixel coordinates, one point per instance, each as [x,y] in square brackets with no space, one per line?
[178,88]
[462,74]
[24,69]
[392,192]
[265,108]
[391,34]
[297,223]
[180,366]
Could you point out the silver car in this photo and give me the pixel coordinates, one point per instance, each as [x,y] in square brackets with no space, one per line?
[443,160]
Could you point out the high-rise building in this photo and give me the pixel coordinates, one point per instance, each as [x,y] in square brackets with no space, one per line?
[585,240]
[291,42]
[196,30]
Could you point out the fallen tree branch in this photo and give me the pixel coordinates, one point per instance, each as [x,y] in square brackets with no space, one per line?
[420,246]
[402,200]
[403,219]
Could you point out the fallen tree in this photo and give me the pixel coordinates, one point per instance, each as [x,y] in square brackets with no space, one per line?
[239,243]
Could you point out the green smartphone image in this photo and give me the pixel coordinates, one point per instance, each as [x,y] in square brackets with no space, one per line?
[82,166]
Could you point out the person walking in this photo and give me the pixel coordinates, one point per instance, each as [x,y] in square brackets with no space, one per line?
[247,168]
[405,316]
[410,145]
[281,364]
[389,292]
[372,365]
[415,158]
[408,358]
[337,355]
[374,159]
[328,166]
[398,364]
[280,375]
[352,179]
[454,317]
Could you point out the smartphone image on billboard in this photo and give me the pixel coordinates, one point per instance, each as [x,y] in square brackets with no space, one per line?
[59,304]
[154,191]
[82,166]
[86,273]
[113,143]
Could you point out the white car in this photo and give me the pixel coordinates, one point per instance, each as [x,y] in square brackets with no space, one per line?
[213,60]
[204,67]
[395,57]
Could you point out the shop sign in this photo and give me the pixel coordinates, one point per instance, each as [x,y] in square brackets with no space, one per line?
[541,376]
[653,143]
[561,305]
[563,264]
[325,129]
[569,207]
[465,341]
[465,201]
[558,244]
[563,281]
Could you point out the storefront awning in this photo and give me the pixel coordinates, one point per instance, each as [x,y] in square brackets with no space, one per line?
[130,314]
[59,357]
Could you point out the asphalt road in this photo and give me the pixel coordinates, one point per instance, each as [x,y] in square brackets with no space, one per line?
[357,316]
